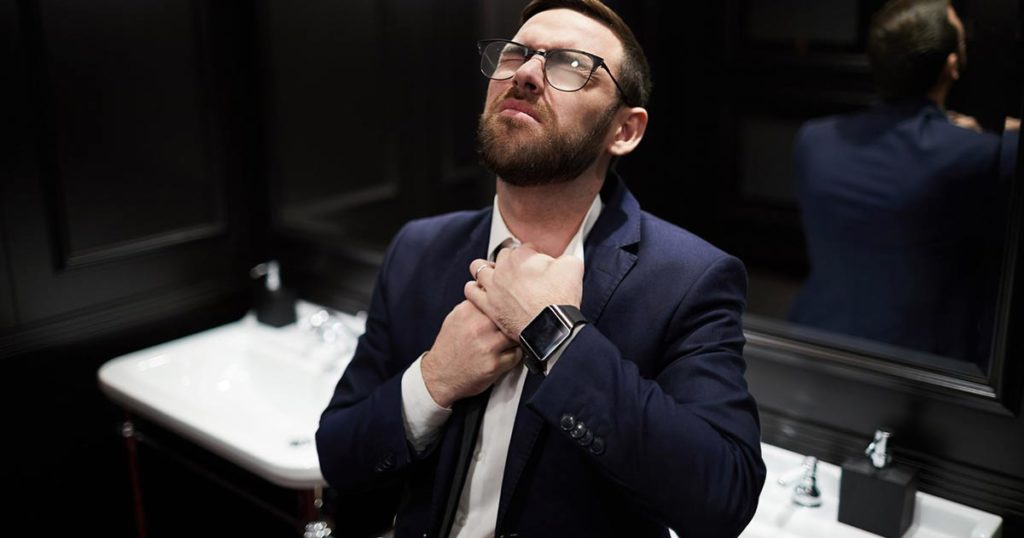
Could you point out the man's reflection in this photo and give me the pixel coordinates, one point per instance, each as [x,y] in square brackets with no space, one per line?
[900,203]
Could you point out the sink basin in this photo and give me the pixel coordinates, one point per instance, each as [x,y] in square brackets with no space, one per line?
[249,392]
[778,517]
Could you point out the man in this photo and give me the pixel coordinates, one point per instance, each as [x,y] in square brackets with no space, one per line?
[626,411]
[901,206]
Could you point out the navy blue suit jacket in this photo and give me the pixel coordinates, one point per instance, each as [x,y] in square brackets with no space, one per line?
[657,376]
[903,217]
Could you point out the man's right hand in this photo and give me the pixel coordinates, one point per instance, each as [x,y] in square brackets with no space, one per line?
[469,355]
[964,121]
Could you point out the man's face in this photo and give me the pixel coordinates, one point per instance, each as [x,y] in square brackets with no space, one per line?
[532,134]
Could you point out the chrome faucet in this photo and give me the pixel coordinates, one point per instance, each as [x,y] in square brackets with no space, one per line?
[325,326]
[329,327]
[878,450]
[806,492]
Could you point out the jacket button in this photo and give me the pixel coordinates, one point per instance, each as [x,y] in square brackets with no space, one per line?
[386,462]
[568,421]
[597,446]
[579,430]
[587,438]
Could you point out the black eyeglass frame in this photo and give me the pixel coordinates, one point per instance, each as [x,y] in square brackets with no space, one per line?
[530,52]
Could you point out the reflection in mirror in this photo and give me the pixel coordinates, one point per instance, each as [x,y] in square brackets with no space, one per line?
[902,202]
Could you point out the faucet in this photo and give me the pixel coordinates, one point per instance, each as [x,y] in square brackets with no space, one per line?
[324,325]
[333,337]
[878,450]
[806,492]
[329,327]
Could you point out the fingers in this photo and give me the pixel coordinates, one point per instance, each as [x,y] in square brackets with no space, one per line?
[476,295]
[476,308]
[510,357]
[482,271]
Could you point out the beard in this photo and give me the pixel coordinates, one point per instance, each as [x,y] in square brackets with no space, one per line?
[521,158]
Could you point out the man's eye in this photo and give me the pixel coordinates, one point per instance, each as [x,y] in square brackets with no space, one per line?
[572,62]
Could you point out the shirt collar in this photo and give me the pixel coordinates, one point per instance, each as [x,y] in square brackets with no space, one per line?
[500,232]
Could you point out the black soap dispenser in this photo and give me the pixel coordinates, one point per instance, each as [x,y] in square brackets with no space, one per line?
[876,495]
[275,305]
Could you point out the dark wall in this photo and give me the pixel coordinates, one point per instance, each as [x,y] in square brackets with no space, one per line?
[131,210]
[371,113]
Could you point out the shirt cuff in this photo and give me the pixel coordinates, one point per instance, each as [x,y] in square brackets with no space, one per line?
[421,415]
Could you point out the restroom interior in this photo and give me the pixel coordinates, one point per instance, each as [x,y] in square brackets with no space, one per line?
[160,150]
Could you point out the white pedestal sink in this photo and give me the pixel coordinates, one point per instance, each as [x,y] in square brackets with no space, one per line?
[248,392]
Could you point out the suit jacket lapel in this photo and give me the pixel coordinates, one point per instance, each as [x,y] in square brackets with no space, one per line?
[610,251]
[458,273]
[608,259]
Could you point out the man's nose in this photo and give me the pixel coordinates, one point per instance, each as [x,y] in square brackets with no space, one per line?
[530,75]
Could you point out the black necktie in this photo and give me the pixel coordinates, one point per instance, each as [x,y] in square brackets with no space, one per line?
[474,416]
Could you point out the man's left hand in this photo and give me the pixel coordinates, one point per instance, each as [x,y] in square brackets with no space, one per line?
[521,283]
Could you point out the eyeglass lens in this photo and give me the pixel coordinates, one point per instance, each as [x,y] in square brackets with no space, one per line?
[565,70]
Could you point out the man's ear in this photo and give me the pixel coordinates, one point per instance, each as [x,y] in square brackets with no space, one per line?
[630,131]
[952,67]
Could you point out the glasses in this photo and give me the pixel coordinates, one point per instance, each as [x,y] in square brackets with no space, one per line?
[566,70]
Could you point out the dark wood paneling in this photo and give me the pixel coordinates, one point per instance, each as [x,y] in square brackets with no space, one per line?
[129,216]
[371,112]
[7,316]
[45,290]
[104,321]
[66,433]
[332,117]
[129,138]
[119,190]
[10,120]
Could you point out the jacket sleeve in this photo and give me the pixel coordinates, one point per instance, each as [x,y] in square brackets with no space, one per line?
[361,440]
[686,444]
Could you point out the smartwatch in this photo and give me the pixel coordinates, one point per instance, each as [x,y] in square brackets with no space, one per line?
[546,333]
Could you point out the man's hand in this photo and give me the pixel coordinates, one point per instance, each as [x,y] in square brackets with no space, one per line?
[520,284]
[469,354]
[964,121]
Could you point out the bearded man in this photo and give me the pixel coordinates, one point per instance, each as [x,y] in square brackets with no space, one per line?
[562,363]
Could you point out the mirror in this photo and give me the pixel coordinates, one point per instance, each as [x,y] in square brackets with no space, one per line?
[901,202]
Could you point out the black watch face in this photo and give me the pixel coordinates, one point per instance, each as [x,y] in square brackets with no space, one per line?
[544,334]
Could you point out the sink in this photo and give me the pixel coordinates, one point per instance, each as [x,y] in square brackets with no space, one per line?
[778,517]
[248,392]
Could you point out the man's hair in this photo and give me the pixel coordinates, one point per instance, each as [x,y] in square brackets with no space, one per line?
[634,74]
[908,43]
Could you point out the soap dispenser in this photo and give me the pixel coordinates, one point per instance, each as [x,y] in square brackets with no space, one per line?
[876,495]
[275,305]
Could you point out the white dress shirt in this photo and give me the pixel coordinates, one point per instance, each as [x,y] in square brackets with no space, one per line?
[477,513]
